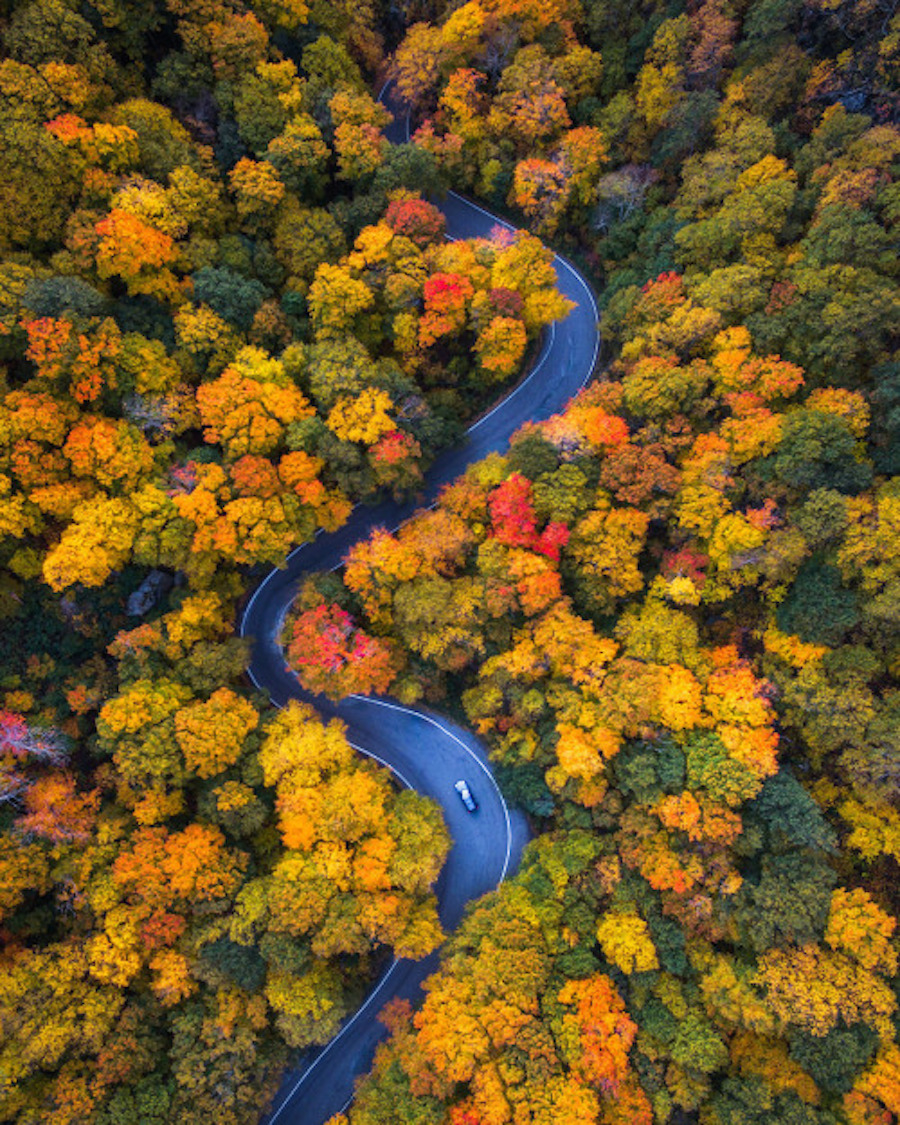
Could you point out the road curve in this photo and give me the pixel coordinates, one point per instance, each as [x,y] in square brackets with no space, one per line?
[426,752]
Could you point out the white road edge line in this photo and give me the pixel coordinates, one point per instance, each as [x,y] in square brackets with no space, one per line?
[542,359]
[545,353]
[383,762]
[471,429]
[376,992]
[373,995]
[386,977]
[375,702]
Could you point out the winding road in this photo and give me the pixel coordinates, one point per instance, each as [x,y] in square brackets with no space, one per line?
[426,752]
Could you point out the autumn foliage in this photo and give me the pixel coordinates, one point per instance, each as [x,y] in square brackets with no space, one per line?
[331,655]
[668,610]
[229,312]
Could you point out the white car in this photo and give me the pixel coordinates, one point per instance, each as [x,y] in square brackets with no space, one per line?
[465,795]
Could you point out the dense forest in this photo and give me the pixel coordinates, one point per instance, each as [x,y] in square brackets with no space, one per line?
[228,314]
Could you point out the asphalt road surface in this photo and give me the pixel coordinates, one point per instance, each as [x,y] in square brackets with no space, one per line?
[426,752]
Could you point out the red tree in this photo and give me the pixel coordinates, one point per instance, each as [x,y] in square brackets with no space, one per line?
[335,658]
[417,220]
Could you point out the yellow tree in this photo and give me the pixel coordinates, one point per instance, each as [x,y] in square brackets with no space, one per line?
[211,734]
[540,189]
[250,404]
[138,253]
[364,417]
[336,298]
[257,190]
[97,542]
[626,943]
